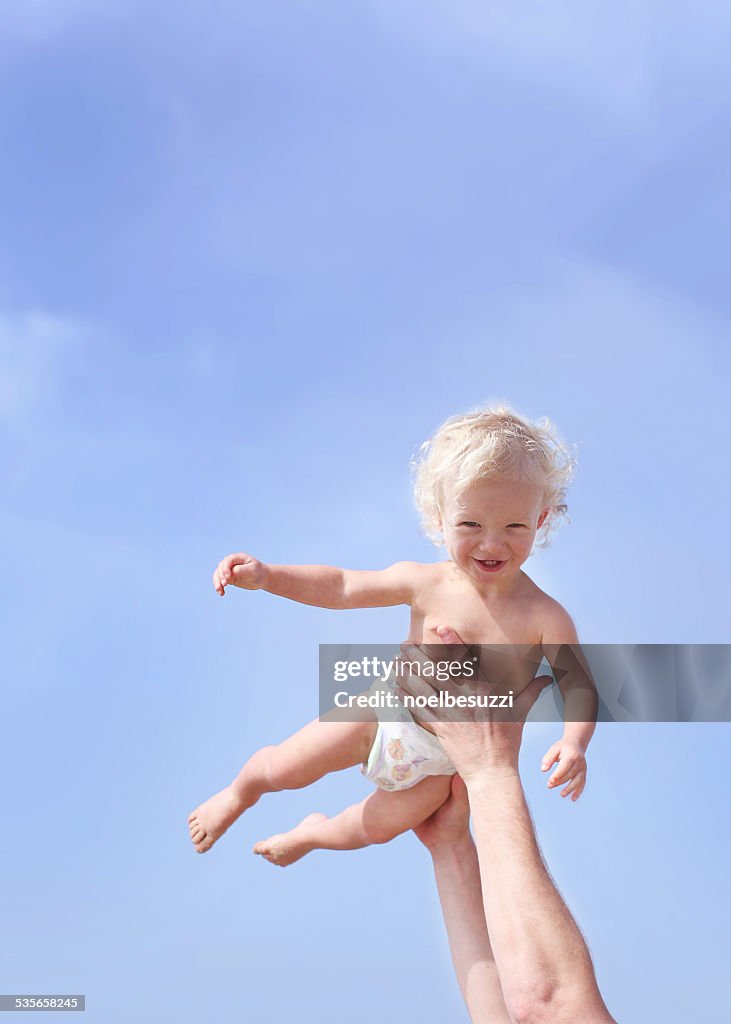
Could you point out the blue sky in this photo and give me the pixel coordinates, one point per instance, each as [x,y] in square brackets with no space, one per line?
[251,256]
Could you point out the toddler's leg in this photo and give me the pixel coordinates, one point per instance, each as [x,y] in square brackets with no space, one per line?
[316,750]
[379,818]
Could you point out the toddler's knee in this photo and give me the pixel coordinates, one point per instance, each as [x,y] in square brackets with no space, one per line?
[270,768]
[380,830]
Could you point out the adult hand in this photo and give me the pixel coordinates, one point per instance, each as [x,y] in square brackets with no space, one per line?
[474,738]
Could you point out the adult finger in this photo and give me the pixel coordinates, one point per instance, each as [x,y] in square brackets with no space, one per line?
[422,713]
[451,637]
[419,656]
[439,664]
[415,686]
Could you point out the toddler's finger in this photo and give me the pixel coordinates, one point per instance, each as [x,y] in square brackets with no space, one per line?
[562,774]
[575,786]
[550,757]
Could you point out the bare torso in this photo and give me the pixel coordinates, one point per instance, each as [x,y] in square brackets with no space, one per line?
[445,596]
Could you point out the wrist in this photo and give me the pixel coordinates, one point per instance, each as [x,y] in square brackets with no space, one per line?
[447,849]
[265,576]
[489,778]
[576,739]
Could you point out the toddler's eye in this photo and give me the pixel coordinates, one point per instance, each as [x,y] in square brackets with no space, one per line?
[469,523]
[511,525]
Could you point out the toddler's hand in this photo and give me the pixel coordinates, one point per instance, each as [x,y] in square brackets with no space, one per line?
[239,570]
[571,769]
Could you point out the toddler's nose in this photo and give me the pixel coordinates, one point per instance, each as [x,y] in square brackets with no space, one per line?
[490,548]
[490,554]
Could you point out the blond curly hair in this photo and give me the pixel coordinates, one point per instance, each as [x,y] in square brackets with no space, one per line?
[493,441]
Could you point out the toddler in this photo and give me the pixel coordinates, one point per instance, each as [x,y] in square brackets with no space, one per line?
[488,484]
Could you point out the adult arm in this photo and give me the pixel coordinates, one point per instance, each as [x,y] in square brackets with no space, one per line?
[446,835]
[542,959]
[544,965]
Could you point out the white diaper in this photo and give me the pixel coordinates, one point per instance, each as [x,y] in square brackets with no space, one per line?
[403,753]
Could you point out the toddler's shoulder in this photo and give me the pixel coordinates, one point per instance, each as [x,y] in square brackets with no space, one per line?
[411,570]
[554,623]
[421,577]
[416,575]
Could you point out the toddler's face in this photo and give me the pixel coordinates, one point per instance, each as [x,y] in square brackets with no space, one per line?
[489,531]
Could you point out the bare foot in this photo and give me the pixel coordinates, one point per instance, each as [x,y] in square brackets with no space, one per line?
[208,822]
[288,847]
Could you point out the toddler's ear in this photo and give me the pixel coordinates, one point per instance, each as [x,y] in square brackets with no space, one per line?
[542,517]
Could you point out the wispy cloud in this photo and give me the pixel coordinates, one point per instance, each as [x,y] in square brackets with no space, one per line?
[34,347]
[36,20]
[598,47]
[613,52]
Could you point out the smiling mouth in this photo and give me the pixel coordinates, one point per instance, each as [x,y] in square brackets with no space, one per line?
[489,564]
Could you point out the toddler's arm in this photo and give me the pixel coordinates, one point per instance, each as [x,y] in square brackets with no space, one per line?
[321,585]
[560,644]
